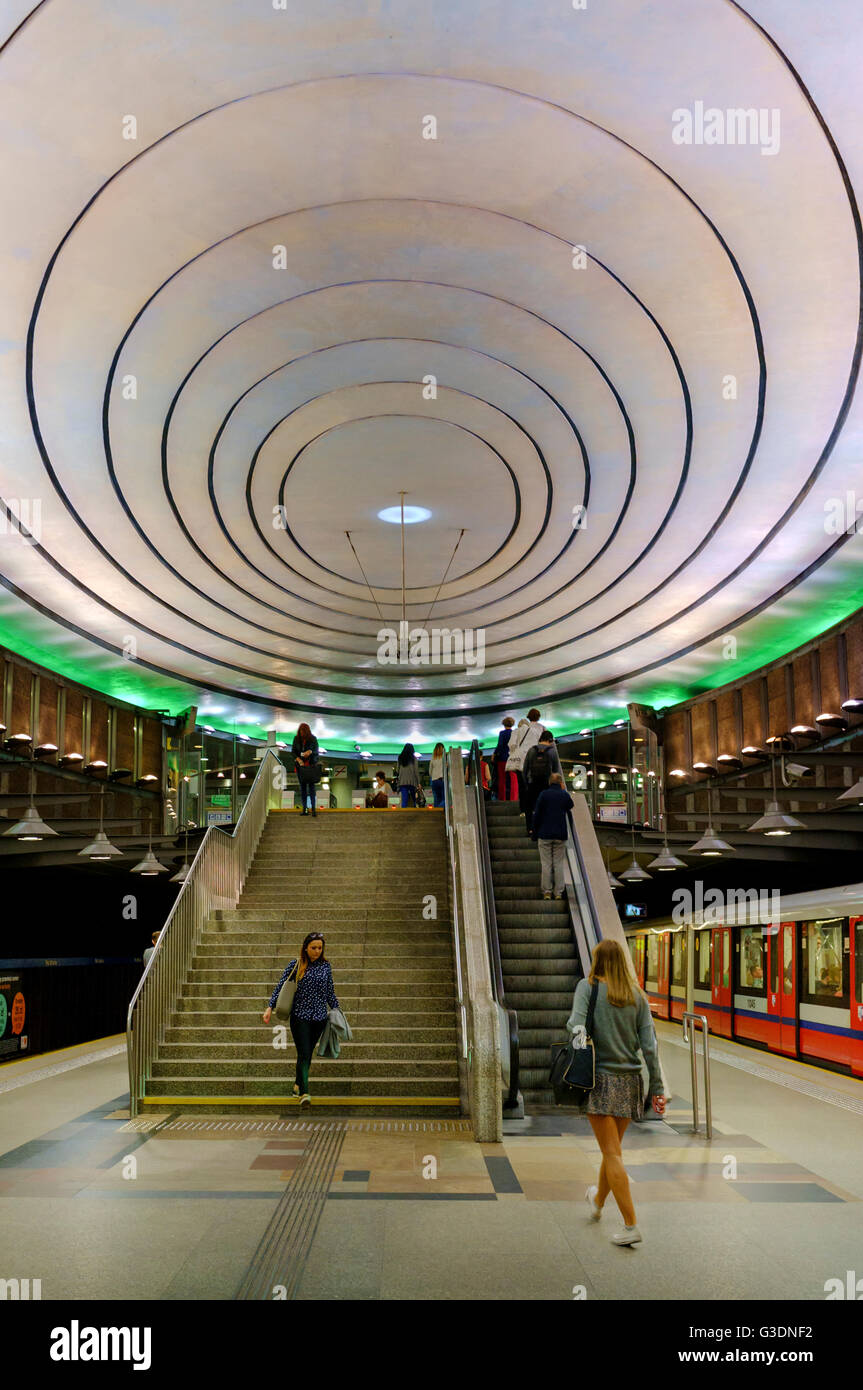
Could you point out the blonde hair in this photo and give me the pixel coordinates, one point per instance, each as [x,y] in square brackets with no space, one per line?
[439,751]
[609,963]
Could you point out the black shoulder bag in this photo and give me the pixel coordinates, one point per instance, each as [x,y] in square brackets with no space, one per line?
[573,1069]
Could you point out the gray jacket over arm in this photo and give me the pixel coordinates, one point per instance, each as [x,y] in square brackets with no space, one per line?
[619,1033]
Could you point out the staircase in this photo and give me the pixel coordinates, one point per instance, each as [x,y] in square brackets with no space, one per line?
[538,955]
[359,878]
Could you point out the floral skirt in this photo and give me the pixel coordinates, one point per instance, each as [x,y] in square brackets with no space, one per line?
[618,1093]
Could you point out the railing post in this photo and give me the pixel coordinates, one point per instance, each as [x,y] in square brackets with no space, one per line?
[690,1029]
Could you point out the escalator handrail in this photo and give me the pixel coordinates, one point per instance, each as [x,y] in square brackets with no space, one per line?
[594,910]
[491,926]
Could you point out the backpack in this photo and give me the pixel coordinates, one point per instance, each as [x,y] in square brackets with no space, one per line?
[540,769]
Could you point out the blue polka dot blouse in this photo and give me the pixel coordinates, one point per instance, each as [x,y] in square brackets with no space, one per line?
[315,994]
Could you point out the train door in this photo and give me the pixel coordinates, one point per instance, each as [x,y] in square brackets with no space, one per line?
[720,993]
[678,973]
[636,950]
[664,962]
[784,945]
[856,953]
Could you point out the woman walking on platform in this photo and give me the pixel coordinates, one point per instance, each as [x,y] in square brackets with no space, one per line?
[313,1000]
[409,779]
[305,752]
[622,1027]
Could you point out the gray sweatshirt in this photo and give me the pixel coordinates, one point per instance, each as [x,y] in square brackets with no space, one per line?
[619,1034]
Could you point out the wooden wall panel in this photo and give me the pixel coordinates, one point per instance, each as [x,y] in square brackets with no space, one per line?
[46,724]
[674,739]
[98,731]
[854,650]
[151,748]
[804,708]
[754,732]
[73,735]
[22,684]
[726,722]
[828,659]
[125,739]
[702,733]
[777,703]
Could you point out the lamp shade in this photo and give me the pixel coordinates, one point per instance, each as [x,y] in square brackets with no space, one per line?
[635,872]
[612,881]
[854,793]
[710,846]
[665,862]
[31,827]
[775,822]
[149,866]
[100,848]
[181,875]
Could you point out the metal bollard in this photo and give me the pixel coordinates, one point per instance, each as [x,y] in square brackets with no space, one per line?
[689,1035]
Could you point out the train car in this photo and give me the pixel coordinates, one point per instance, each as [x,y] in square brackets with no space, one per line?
[781,973]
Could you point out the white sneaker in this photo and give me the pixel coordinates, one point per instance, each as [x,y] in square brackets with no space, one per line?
[630,1235]
[590,1198]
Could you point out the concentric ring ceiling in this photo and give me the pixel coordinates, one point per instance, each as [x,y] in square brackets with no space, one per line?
[241,241]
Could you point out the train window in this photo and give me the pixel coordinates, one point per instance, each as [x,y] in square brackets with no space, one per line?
[788,960]
[652,967]
[678,957]
[726,957]
[774,962]
[824,976]
[751,960]
[702,959]
[858,962]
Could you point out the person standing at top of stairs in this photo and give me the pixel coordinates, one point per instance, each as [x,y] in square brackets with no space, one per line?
[305,752]
[542,760]
[550,831]
[314,998]
[520,743]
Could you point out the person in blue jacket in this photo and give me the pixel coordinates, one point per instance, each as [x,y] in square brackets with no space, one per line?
[549,829]
[313,1000]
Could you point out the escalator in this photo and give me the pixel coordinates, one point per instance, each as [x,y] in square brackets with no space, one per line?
[543,947]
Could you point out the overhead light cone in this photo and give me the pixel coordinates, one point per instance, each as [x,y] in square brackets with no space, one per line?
[612,881]
[148,866]
[666,861]
[775,822]
[181,875]
[31,827]
[100,848]
[635,873]
[854,793]
[710,845]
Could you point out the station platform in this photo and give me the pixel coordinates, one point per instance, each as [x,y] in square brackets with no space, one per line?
[227,1207]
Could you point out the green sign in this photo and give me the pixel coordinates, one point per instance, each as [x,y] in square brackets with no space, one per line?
[221,799]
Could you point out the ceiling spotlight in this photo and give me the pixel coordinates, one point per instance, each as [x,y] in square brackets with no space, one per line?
[44,750]
[618,723]
[774,822]
[805,731]
[853,706]
[582,732]
[71,758]
[729,760]
[100,848]
[678,772]
[97,765]
[705,768]
[411,515]
[751,751]
[149,866]
[831,721]
[119,773]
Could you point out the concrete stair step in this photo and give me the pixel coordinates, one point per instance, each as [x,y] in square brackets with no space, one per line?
[249,1034]
[369,1015]
[321,1086]
[264,980]
[253,1053]
[251,955]
[274,1067]
[349,992]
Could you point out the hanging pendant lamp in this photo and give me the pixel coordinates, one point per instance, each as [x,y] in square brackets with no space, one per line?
[31,826]
[101,847]
[149,866]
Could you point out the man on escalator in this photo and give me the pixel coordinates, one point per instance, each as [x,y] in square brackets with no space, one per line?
[550,831]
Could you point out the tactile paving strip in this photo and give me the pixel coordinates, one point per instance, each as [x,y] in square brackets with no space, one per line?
[266,1128]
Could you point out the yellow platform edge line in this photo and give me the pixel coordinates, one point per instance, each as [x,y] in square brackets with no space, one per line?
[162,1102]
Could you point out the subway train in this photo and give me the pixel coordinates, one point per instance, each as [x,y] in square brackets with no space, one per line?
[784,974]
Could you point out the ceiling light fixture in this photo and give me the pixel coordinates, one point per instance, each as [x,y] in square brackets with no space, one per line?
[101,847]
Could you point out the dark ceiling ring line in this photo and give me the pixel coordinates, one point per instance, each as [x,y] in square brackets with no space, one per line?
[456,713]
[18,27]
[398,415]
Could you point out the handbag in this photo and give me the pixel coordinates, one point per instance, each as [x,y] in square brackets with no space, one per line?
[285,1001]
[573,1069]
[420,797]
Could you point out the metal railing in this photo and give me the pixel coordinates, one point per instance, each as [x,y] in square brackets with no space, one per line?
[456,924]
[509,1017]
[689,1035]
[214,882]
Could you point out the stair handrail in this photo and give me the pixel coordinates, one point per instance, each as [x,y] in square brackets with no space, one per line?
[481,1073]
[215,881]
[596,906]
[450,835]
[509,1014]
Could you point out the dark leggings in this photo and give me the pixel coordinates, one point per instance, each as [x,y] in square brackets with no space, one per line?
[308,791]
[305,1033]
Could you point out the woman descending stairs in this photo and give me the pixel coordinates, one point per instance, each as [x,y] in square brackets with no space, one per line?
[370,882]
[538,956]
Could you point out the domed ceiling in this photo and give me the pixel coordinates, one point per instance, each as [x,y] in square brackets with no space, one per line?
[582,282]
